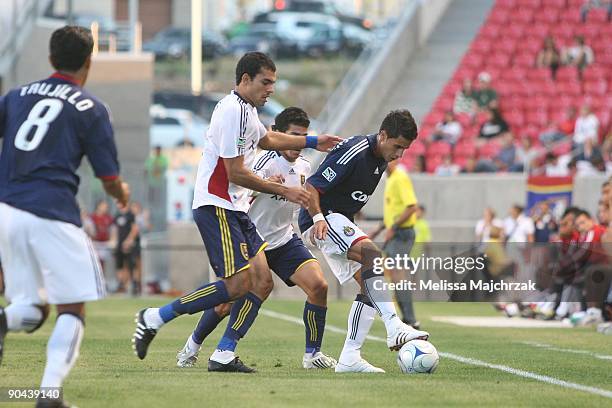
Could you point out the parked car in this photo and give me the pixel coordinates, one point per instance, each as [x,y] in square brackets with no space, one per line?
[176,43]
[323,7]
[263,38]
[355,39]
[203,105]
[174,127]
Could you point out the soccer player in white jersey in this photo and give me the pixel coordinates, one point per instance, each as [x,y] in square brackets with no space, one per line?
[221,199]
[339,188]
[46,128]
[286,254]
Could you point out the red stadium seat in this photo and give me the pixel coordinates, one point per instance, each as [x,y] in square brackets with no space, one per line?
[562,31]
[539,74]
[506,4]
[506,46]
[567,74]
[524,16]
[562,148]
[537,118]
[595,87]
[515,31]
[489,150]
[465,148]
[431,163]
[570,16]
[588,31]
[515,119]
[546,16]
[489,31]
[594,73]
[545,88]
[534,4]
[438,149]
[499,60]
[525,60]
[553,4]
[498,16]
[473,61]
[480,46]
[569,88]
[597,15]
[417,148]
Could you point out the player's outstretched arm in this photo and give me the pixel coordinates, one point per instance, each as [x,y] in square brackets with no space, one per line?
[238,174]
[117,189]
[281,141]
[314,209]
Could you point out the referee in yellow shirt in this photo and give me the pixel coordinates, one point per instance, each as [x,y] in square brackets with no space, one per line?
[399,218]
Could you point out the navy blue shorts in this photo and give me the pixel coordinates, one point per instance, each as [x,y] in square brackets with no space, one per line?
[287,259]
[230,238]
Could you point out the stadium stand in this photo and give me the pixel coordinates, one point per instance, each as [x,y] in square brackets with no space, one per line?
[530,98]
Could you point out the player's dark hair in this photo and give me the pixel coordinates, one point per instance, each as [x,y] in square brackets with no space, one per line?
[252,63]
[571,210]
[290,116]
[399,123]
[583,212]
[69,48]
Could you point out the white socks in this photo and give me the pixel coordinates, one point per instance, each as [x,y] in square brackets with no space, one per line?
[62,349]
[22,317]
[382,301]
[152,318]
[223,356]
[192,345]
[360,321]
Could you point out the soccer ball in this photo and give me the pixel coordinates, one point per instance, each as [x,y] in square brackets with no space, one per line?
[418,356]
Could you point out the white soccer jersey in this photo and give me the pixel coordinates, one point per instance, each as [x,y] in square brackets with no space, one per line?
[235,130]
[273,214]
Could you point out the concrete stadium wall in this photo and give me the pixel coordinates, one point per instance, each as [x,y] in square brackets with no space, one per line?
[453,204]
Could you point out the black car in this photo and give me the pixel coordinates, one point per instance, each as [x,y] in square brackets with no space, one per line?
[263,38]
[176,43]
[319,6]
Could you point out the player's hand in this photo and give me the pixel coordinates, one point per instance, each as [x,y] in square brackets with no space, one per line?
[327,142]
[277,179]
[319,232]
[298,195]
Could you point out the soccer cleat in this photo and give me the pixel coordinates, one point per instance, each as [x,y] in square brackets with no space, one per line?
[234,366]
[186,358]
[591,317]
[318,360]
[3,331]
[360,366]
[143,336]
[402,335]
[52,403]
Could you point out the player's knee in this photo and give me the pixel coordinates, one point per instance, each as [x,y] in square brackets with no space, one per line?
[318,289]
[238,285]
[263,286]
[223,309]
[32,324]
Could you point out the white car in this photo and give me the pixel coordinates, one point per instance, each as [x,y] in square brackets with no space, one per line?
[175,127]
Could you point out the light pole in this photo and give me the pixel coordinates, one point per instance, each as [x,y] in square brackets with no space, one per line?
[196,47]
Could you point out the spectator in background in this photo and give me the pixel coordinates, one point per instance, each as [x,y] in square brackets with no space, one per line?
[579,55]
[102,222]
[587,128]
[488,221]
[449,130]
[125,235]
[494,125]
[544,222]
[506,158]
[469,166]
[141,218]
[518,227]
[591,4]
[422,234]
[556,132]
[555,167]
[497,261]
[464,99]
[447,167]
[549,56]
[155,170]
[526,155]
[485,95]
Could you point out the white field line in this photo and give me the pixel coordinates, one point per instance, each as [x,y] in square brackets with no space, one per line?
[466,360]
[564,350]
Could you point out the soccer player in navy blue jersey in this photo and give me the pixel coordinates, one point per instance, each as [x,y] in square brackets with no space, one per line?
[339,188]
[46,128]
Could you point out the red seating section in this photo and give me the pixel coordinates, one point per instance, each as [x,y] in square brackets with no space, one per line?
[506,47]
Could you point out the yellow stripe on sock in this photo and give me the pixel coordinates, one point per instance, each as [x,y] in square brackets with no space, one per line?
[246,308]
[198,294]
[313,330]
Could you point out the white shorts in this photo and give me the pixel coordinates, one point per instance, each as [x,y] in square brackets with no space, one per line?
[56,256]
[341,235]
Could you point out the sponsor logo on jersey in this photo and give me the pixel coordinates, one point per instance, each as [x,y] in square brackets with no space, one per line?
[329,174]
[291,171]
[348,231]
[360,196]
[244,250]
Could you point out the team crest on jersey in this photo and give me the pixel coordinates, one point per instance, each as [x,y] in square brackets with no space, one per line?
[302,179]
[329,174]
[244,250]
[348,231]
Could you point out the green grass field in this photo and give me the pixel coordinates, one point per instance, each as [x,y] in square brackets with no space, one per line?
[108,374]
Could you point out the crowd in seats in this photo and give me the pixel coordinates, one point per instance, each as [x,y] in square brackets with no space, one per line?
[537,76]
